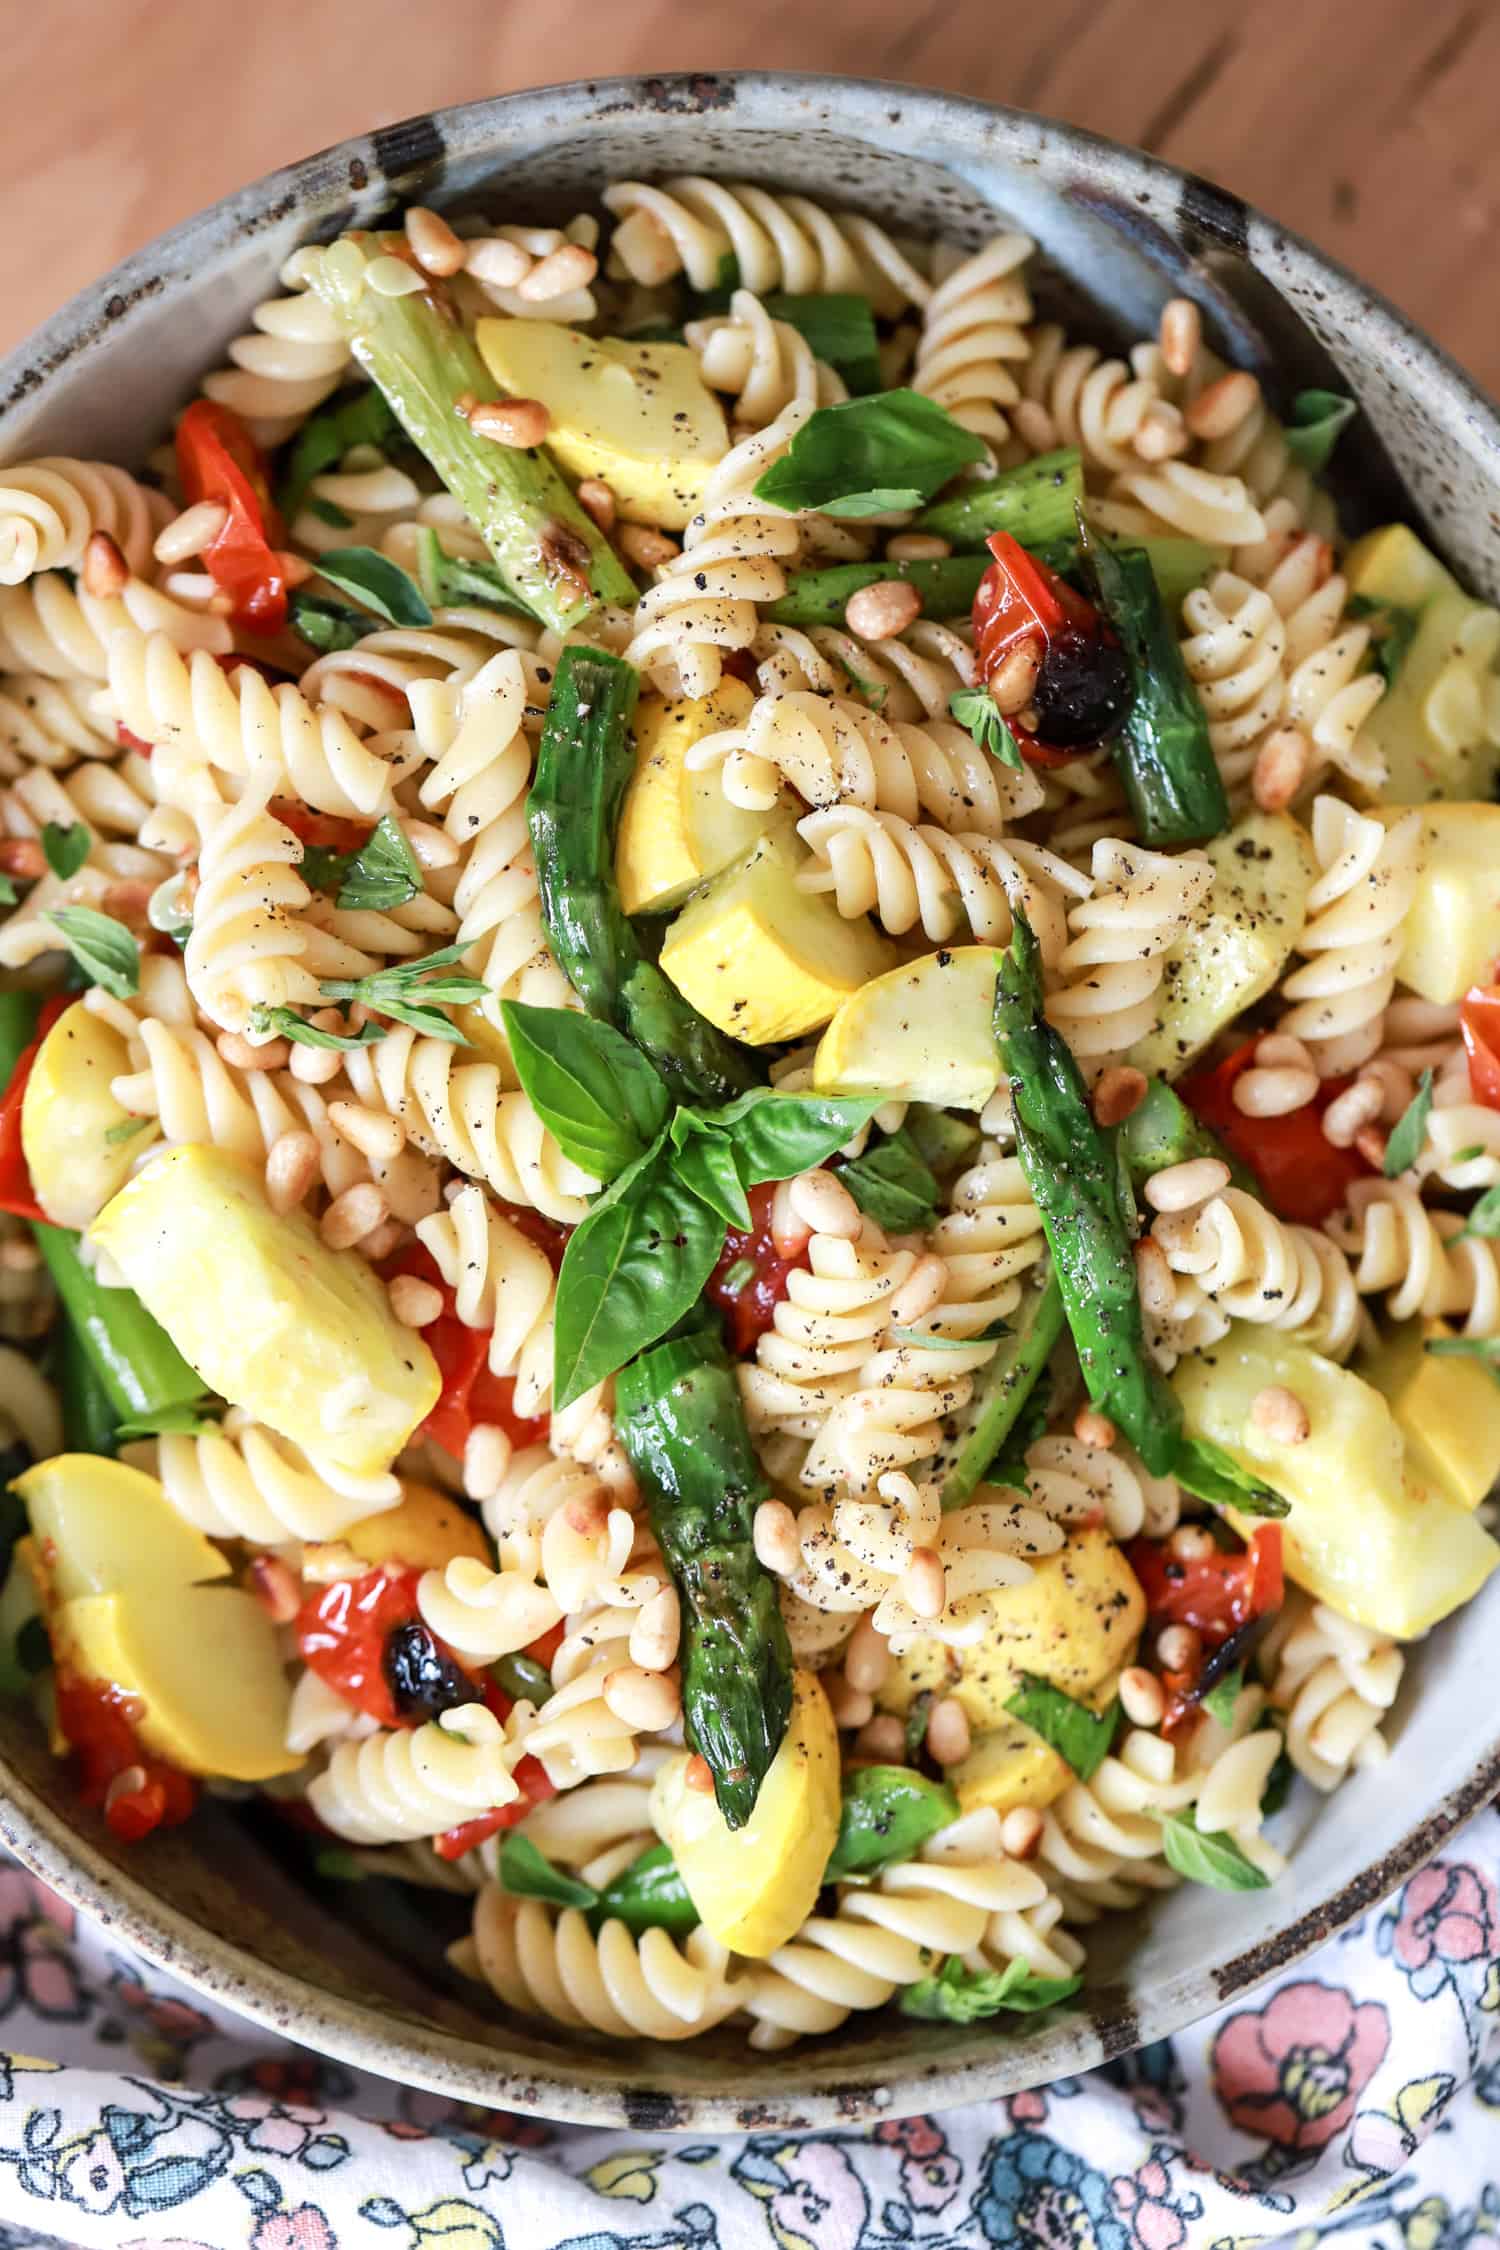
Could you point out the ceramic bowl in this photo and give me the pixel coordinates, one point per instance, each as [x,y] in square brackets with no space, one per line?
[358,1972]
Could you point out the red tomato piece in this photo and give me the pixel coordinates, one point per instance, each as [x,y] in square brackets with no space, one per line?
[98,1721]
[1217,1593]
[321,831]
[531,1776]
[1019,599]
[470,1392]
[1304,1177]
[750,1279]
[16,1192]
[1479,1021]
[342,1631]
[217,459]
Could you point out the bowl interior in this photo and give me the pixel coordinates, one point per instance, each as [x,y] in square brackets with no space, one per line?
[359,1970]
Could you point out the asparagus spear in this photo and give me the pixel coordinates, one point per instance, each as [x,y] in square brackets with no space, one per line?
[1072,1168]
[1002,1390]
[820,597]
[1163,753]
[552,556]
[136,1362]
[1036,503]
[680,1420]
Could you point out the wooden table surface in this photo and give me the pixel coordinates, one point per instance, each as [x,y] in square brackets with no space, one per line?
[1368,124]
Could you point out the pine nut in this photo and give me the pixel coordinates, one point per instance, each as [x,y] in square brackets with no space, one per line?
[379,1137]
[1180,335]
[353,1215]
[879,612]
[1142,1696]
[825,1204]
[517,422]
[1153,1278]
[1013,681]
[1280,768]
[294,569]
[240,1055]
[699,1775]
[23,857]
[487,1452]
[382,1241]
[1118,1094]
[1179,1186]
[588,1515]
[1273,1093]
[19,1256]
[127,902]
[416,1303]
[275,1587]
[921,1290]
[291,1168]
[644,548]
[647,1701]
[776,1542]
[571,267]
[464,405]
[595,498]
[188,534]
[867,1659]
[917,546]
[494,260]
[1357,1106]
[850,1706]
[948,1736]
[923,1585]
[104,570]
[1371,1144]
[393,277]
[1178,1648]
[1223,405]
[1090,1427]
[1281,1414]
[434,245]
[314,1066]
[1021,1832]
[1190,1543]
[882,1738]
[655,1635]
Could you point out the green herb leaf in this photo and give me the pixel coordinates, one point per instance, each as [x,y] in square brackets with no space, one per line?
[414,992]
[888,1814]
[1313,431]
[449,581]
[1392,631]
[377,582]
[1080,1736]
[337,519]
[126,1131]
[383,874]
[649,1894]
[184,1418]
[941,1141]
[1465,1347]
[1279,1780]
[776,1136]
[285,1023]
[65,849]
[526,1872]
[632,1268]
[592,1088]
[1484,1218]
[326,624]
[103,948]
[1409,1131]
[326,437]
[1222,1697]
[705,1164]
[322,868]
[1214,1859]
[868,455]
[841,330]
[1211,1474]
[916,1723]
[962,1995]
[892,1184]
[975,709]
[8,893]
[336,1866]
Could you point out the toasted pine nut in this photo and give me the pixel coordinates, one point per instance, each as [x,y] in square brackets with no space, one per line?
[921,1290]
[775,1534]
[381,1241]
[502,264]
[314,1066]
[188,534]
[1190,1543]
[517,422]
[1013,681]
[1142,1696]
[825,1204]
[416,1303]
[1280,768]
[588,1515]
[104,571]
[487,1452]
[922,1584]
[275,1587]
[917,546]
[657,1631]
[882,1738]
[644,548]
[595,498]
[240,1055]
[851,1707]
[1357,1106]
[353,1215]
[1223,405]
[1179,1186]
[867,1659]
[291,1168]
[294,568]
[1090,1427]
[375,1134]
[1118,1094]
[464,405]
[571,267]
[1274,1092]
[22,856]
[1371,1144]
[647,1701]
[1034,425]
[127,902]
[1281,1414]
[1178,1647]
[434,245]
[1180,335]
[19,1256]
[1021,1832]
[948,1736]
[699,1775]
[789,1234]
[879,612]
[1154,1277]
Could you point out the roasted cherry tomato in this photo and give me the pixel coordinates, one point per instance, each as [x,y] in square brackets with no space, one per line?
[98,1721]
[342,1631]
[1479,1020]
[1219,1594]
[470,1392]
[16,1192]
[1305,1178]
[531,1780]
[1082,690]
[217,459]
[321,831]
[750,1279]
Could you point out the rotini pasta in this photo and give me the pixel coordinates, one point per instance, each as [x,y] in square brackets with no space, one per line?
[394,1786]
[252,1484]
[877,863]
[974,332]
[1256,1267]
[552,1966]
[1352,939]
[50,509]
[285,364]
[776,241]
[1333,1682]
[1141,904]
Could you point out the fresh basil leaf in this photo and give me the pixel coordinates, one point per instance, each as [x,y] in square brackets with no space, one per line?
[1467,1154]
[962,1995]
[705,1164]
[1313,431]
[338,519]
[1214,1859]
[413,992]
[526,1872]
[1409,1131]
[325,624]
[888,1814]
[65,849]
[186,1418]
[377,582]
[840,327]
[776,1136]
[8,892]
[324,439]
[868,455]
[593,1089]
[322,868]
[285,1023]
[126,1131]
[1211,1474]
[1279,1780]
[1079,1736]
[1484,1218]
[892,1185]
[1222,1697]
[649,1894]
[632,1268]
[975,710]
[1465,1347]
[383,874]
[103,948]
[1392,631]
[448,581]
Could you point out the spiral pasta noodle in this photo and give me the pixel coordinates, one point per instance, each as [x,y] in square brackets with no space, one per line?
[974,331]
[786,242]
[763,363]
[1412,1257]
[51,508]
[554,1517]
[286,363]
[45,722]
[1077,1483]
[397,1785]
[913,676]
[1175,497]
[1142,903]
[245,949]
[1235,653]
[1072,395]
[252,1484]
[1356,914]
[1333,1682]
[551,1965]
[905,875]
[49,628]
[820,1333]
[1257,1267]
[503,1284]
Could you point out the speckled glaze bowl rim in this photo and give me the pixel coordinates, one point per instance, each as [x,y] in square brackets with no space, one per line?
[1109,2021]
